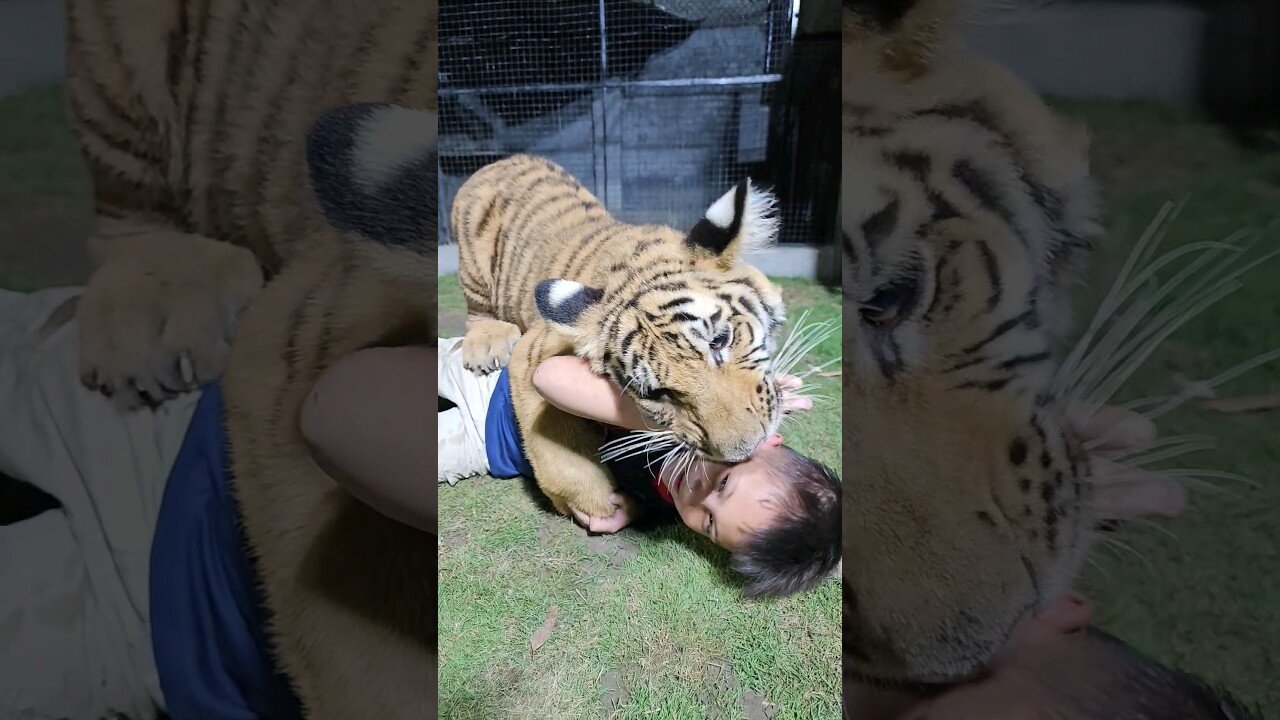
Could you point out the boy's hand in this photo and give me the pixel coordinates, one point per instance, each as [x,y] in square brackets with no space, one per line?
[792,400]
[1122,492]
[623,516]
[1112,430]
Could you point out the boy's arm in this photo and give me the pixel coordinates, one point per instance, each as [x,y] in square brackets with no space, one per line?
[566,381]
[368,422]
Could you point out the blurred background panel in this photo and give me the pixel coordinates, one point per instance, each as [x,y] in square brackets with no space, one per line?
[657,106]
[1181,99]
[44,190]
[31,41]
[1219,56]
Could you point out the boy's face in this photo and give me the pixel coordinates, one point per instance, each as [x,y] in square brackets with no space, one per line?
[729,502]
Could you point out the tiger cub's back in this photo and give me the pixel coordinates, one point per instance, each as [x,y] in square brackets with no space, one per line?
[195,113]
[525,219]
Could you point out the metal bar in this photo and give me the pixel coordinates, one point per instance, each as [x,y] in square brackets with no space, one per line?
[604,47]
[674,82]
[603,183]
[768,37]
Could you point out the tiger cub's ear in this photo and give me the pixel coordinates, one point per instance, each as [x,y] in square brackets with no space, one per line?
[741,221]
[563,302]
[373,170]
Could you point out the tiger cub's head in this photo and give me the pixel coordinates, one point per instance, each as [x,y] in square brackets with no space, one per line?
[964,200]
[685,327]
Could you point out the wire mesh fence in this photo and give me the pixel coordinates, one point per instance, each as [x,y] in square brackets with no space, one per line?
[657,106]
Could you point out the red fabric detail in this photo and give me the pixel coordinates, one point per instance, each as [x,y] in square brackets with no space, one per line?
[661,487]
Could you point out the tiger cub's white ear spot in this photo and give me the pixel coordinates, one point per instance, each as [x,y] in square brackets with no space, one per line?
[373,169]
[740,221]
[561,290]
[563,301]
[721,211]
[386,141]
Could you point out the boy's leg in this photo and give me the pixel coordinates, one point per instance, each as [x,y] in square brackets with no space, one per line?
[461,433]
[460,455]
[57,642]
[74,607]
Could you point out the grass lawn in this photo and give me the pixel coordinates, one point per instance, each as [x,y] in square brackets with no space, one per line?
[1207,598]
[45,205]
[648,623]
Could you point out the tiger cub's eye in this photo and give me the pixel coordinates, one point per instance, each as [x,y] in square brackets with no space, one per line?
[892,303]
[658,394]
[720,341]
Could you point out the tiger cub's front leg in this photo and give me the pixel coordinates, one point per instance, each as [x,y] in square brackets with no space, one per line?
[488,344]
[562,448]
[160,310]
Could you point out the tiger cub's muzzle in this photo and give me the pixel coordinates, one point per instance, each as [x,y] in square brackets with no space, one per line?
[728,417]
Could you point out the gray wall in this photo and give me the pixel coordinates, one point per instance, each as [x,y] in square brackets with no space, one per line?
[31,44]
[1149,50]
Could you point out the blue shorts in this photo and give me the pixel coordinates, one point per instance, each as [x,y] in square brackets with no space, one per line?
[502,443]
[207,620]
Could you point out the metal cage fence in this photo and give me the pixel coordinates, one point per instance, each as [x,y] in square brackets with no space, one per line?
[657,106]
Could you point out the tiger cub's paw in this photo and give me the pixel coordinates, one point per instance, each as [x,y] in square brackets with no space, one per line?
[155,325]
[487,345]
[587,502]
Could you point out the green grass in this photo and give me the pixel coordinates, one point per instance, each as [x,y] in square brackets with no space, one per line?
[1207,599]
[657,608]
[45,203]
[39,157]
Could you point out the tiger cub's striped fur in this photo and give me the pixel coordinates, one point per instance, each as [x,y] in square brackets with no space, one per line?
[964,202]
[193,118]
[676,319]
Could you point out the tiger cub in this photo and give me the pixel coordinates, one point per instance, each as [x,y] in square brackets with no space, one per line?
[676,319]
[965,203]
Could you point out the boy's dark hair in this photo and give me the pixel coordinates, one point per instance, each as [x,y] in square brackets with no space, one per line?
[1145,688]
[802,546]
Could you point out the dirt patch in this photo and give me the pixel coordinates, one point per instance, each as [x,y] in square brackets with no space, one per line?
[608,553]
[755,707]
[618,548]
[612,694]
[554,530]
[453,540]
[720,675]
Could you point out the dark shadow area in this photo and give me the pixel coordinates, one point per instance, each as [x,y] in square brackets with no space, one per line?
[803,157]
[1240,68]
[20,500]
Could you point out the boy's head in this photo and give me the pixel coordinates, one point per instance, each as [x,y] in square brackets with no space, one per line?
[1056,667]
[778,512]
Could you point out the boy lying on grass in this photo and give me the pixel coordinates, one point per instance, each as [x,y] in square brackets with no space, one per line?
[778,512]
